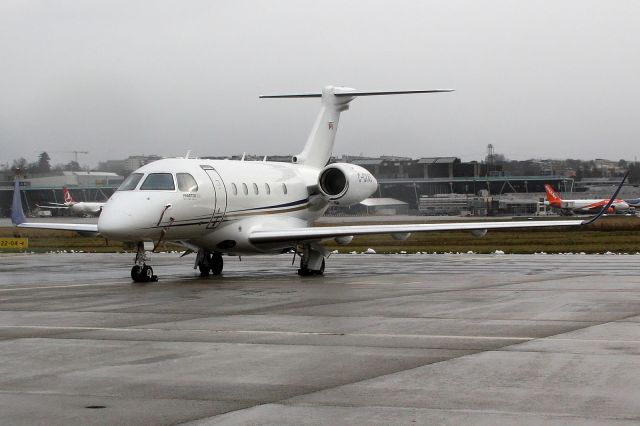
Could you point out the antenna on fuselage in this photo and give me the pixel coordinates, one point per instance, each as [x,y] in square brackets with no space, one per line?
[244,154]
[186,156]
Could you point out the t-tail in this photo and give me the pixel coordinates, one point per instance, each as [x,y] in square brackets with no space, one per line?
[319,146]
[552,196]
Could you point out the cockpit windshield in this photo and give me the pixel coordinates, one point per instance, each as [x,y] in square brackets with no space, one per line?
[130,182]
[158,182]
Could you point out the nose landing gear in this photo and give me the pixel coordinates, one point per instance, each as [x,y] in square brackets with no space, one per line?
[208,262]
[141,272]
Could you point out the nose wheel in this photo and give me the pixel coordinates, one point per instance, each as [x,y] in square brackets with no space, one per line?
[141,272]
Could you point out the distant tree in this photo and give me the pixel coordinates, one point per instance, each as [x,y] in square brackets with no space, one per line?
[499,159]
[20,164]
[634,173]
[42,165]
[72,166]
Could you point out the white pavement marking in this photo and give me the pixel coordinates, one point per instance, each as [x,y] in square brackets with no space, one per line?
[57,286]
[306,333]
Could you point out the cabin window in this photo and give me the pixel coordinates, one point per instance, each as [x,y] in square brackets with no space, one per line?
[267,188]
[130,182]
[245,189]
[159,182]
[186,182]
[284,188]
[255,188]
[234,188]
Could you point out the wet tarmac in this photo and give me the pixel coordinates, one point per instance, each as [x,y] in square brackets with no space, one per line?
[380,339]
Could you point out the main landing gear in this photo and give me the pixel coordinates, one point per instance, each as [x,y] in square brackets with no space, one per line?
[208,262]
[141,272]
[311,260]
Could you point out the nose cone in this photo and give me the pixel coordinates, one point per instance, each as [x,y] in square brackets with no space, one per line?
[121,221]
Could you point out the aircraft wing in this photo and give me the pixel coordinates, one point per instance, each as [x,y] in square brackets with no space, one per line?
[327,232]
[19,220]
[89,228]
[295,235]
[53,207]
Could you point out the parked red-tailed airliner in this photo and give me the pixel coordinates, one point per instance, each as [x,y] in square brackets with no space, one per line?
[79,208]
[568,207]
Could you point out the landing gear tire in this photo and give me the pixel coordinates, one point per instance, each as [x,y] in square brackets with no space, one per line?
[216,264]
[306,272]
[136,272]
[204,270]
[209,263]
[205,264]
[143,274]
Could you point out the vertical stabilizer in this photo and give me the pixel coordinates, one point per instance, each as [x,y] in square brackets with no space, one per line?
[552,196]
[17,215]
[319,146]
[317,150]
[68,199]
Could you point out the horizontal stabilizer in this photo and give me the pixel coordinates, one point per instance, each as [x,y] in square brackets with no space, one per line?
[339,94]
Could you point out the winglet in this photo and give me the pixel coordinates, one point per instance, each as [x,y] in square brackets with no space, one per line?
[606,208]
[17,215]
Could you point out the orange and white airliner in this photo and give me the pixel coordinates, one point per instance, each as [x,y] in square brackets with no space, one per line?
[224,207]
[79,208]
[568,207]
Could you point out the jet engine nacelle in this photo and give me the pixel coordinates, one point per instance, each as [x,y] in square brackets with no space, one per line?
[346,184]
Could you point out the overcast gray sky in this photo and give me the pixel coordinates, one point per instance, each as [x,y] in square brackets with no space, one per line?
[537,79]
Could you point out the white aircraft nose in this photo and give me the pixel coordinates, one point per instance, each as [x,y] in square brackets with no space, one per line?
[113,222]
[119,220]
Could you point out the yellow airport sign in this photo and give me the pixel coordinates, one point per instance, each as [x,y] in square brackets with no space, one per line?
[14,243]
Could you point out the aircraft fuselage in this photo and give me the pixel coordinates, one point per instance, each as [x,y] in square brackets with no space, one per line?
[226,200]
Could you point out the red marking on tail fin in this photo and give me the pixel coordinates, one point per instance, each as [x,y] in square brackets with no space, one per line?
[67,196]
[552,196]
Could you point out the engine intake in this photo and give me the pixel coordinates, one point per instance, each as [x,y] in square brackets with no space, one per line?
[333,182]
[346,184]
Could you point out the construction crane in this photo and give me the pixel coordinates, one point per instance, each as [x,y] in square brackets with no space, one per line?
[75,153]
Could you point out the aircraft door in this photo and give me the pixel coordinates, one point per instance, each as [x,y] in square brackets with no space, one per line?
[219,196]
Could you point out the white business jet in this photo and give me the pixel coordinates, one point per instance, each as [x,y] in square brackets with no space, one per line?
[218,207]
